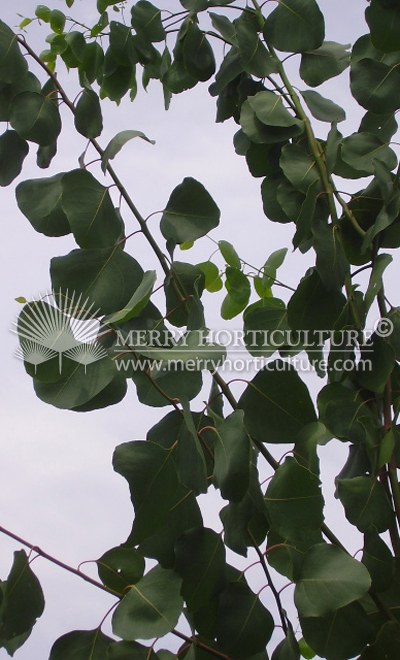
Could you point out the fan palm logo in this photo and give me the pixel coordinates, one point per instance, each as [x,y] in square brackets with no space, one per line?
[67,328]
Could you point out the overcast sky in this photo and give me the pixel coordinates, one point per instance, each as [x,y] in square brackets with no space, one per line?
[58,489]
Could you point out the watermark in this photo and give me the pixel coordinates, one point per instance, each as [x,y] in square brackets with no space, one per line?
[63,326]
[59,325]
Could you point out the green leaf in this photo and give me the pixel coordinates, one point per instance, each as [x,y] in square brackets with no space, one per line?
[375,85]
[294,501]
[299,167]
[190,213]
[118,141]
[360,151]
[153,482]
[76,51]
[129,650]
[244,626]
[138,301]
[384,24]
[213,281]
[332,265]
[365,502]
[254,56]
[386,644]
[198,55]
[115,84]
[329,579]
[151,608]
[323,109]
[81,645]
[305,650]
[383,126]
[189,457]
[200,561]
[43,13]
[120,567]
[295,26]
[375,283]
[92,65]
[106,277]
[79,385]
[13,65]
[269,109]
[376,364]
[146,19]
[379,561]
[122,45]
[342,634]
[229,253]
[23,602]
[28,83]
[232,457]
[90,211]
[266,328]
[340,410]
[313,307]
[288,649]
[35,118]
[57,21]
[276,404]
[40,201]
[88,117]
[324,63]
[13,151]
[260,133]
[224,26]
[238,287]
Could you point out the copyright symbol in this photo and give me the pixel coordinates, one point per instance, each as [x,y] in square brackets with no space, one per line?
[384,327]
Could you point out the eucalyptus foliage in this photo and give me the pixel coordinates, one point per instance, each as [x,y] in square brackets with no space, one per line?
[341,606]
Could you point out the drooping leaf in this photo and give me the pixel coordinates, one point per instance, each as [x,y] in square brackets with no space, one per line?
[13,151]
[295,26]
[244,625]
[22,600]
[118,141]
[138,301]
[266,328]
[288,649]
[379,561]
[106,277]
[329,579]
[146,19]
[198,56]
[386,644]
[269,109]
[200,561]
[232,455]
[13,65]
[189,457]
[384,24]
[229,253]
[129,650]
[90,211]
[213,280]
[294,501]
[40,201]
[35,118]
[314,307]
[360,150]
[88,117]
[276,404]
[299,167]
[57,21]
[375,85]
[326,62]
[365,502]
[151,608]
[254,56]
[190,213]
[81,645]
[322,108]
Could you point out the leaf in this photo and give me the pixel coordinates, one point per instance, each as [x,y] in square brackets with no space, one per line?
[13,151]
[189,457]
[266,329]
[35,118]
[332,265]
[299,167]
[79,385]
[146,19]
[81,645]
[365,502]
[375,283]
[129,650]
[342,634]
[384,24]
[13,65]
[379,561]
[57,21]
[88,117]
[118,141]
[232,457]
[190,213]
[244,626]
[151,608]
[200,561]
[276,404]
[313,307]
[153,483]
[260,133]
[340,410]
[213,280]
[254,56]
[361,150]
[386,644]
[326,62]
[294,501]
[43,13]
[375,85]
[122,45]
[229,253]
[322,108]
[138,301]
[22,600]
[106,277]
[295,26]
[90,211]
[288,649]
[120,567]
[198,55]
[270,110]
[40,201]
[329,579]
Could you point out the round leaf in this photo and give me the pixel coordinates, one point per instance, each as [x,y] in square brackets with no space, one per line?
[190,213]
[295,26]
[81,645]
[13,151]
[88,117]
[13,65]
[40,201]
[35,118]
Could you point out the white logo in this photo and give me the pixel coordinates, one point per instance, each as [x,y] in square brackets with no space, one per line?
[67,328]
